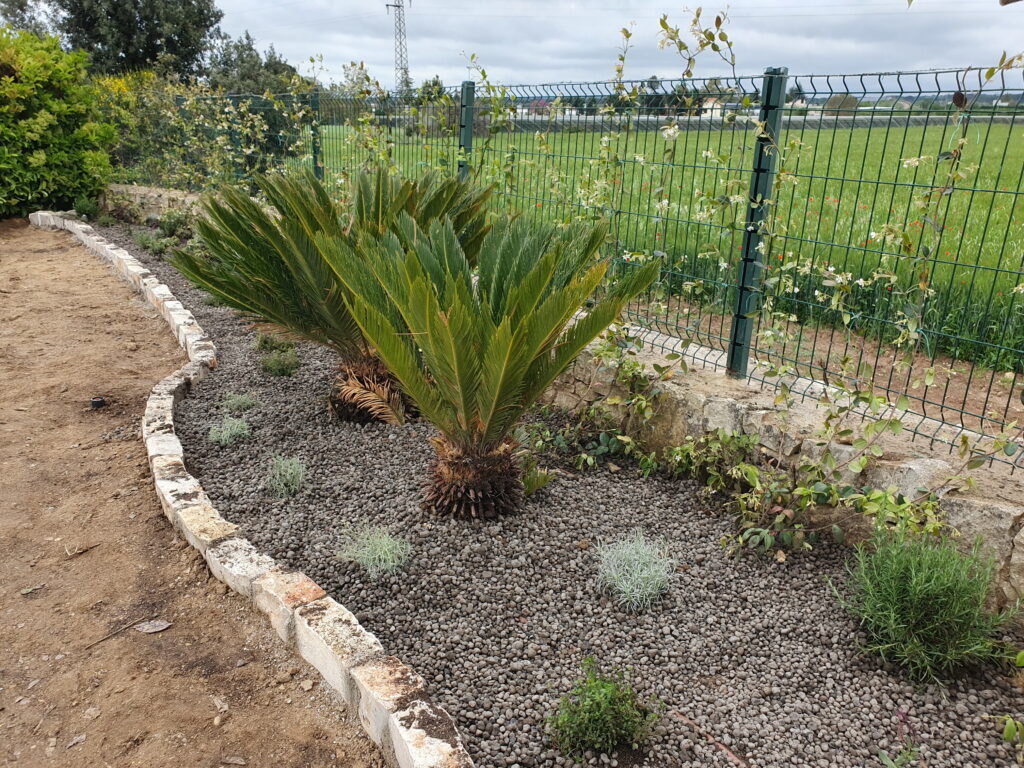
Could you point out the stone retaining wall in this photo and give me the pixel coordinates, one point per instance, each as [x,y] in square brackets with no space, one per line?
[151,200]
[389,699]
[703,400]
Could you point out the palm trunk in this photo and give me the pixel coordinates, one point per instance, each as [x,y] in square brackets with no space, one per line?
[470,487]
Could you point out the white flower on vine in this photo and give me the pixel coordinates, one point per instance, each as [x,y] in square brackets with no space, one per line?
[708,154]
[662,206]
[861,282]
[914,162]
[670,132]
[1018,288]
[640,159]
[722,266]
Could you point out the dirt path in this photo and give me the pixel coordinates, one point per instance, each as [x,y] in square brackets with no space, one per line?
[85,550]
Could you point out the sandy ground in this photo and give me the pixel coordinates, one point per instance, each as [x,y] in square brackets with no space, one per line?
[85,550]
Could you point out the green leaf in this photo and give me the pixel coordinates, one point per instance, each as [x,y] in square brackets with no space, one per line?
[837,534]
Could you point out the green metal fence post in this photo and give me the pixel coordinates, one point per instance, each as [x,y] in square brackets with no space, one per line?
[314,133]
[466,126]
[749,277]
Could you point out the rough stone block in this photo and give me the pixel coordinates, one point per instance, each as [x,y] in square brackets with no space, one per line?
[163,444]
[754,421]
[723,413]
[174,485]
[201,525]
[385,686]
[910,477]
[237,563]
[159,414]
[994,521]
[38,219]
[328,636]
[279,592]
[424,736]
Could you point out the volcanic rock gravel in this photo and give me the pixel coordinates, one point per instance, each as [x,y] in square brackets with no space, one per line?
[753,661]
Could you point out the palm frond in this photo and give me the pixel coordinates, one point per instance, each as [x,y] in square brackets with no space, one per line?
[382,402]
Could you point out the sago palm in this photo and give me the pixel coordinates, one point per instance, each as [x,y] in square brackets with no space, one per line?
[264,260]
[475,351]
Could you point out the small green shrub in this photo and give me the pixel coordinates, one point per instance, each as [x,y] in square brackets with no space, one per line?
[53,147]
[599,714]
[713,457]
[266,342]
[921,603]
[155,245]
[87,207]
[176,223]
[211,300]
[636,571]
[237,403]
[286,476]
[106,220]
[229,430]
[377,551]
[280,362]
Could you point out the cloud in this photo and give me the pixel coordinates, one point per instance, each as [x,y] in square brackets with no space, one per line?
[539,41]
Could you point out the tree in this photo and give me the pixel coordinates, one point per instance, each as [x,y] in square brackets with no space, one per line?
[474,350]
[235,66]
[24,16]
[122,36]
[796,94]
[430,91]
[652,99]
[52,143]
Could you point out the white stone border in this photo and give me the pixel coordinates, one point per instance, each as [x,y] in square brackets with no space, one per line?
[389,698]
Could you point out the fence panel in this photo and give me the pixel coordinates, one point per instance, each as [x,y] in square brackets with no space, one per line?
[896,220]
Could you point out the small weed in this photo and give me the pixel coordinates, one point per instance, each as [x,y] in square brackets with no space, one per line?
[176,223]
[585,440]
[266,342]
[237,403]
[280,362]
[155,245]
[87,207]
[286,476]
[599,714]
[377,551]
[534,477]
[635,570]
[229,430]
[212,300]
[1013,734]
[922,603]
[106,220]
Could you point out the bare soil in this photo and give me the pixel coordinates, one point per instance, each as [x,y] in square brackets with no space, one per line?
[85,550]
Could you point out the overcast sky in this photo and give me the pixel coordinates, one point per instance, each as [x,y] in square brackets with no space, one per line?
[541,41]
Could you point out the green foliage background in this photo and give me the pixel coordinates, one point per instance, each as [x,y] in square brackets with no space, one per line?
[52,144]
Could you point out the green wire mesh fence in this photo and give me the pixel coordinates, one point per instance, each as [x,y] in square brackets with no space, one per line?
[884,240]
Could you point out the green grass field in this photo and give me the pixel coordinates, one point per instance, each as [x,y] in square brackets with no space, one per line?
[850,183]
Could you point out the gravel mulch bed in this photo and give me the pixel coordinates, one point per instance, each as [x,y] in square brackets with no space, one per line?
[747,655]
